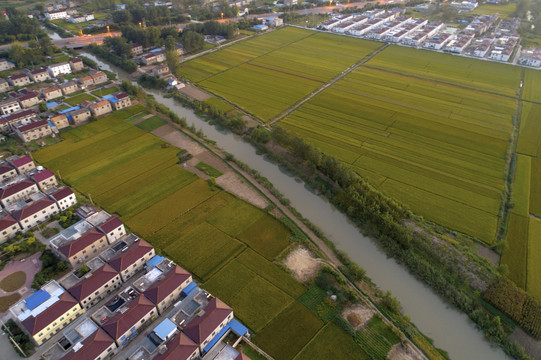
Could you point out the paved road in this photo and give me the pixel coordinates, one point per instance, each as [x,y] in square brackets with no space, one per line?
[75,41]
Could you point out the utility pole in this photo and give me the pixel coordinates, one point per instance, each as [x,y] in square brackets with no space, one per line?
[58,172]
[11,338]
[90,197]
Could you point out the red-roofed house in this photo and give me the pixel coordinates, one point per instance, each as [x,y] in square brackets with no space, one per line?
[125,323]
[97,346]
[166,291]
[129,262]
[45,179]
[123,101]
[7,121]
[33,131]
[91,290]
[180,347]
[28,100]
[113,228]
[7,171]
[99,77]
[101,108]
[52,92]
[202,329]
[83,248]
[53,319]
[60,121]
[86,81]
[39,75]
[19,79]
[13,193]
[35,213]
[22,163]
[8,227]
[242,356]
[63,197]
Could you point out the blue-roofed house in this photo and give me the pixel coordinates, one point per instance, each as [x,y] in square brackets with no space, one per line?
[36,299]
[155,261]
[260,27]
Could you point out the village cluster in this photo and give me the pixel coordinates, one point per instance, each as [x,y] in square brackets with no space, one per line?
[22,115]
[486,36]
[120,297]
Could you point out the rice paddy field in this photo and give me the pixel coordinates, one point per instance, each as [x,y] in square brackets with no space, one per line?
[267,74]
[229,245]
[437,147]
[524,231]
[430,129]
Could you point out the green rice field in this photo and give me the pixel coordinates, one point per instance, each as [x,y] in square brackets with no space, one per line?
[438,148]
[227,244]
[267,74]
[432,130]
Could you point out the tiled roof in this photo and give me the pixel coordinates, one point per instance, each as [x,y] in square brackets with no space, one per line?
[98,75]
[110,224]
[28,96]
[88,286]
[180,347]
[242,356]
[123,260]
[62,193]
[99,103]
[122,322]
[79,112]
[85,79]
[76,60]
[121,95]
[33,125]
[174,278]
[17,116]
[42,175]
[17,76]
[38,71]
[59,117]
[51,89]
[15,188]
[93,346]
[32,209]
[68,84]
[24,159]
[35,324]
[202,326]
[6,222]
[75,246]
[5,168]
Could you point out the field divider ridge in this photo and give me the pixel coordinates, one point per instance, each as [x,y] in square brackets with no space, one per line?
[326,85]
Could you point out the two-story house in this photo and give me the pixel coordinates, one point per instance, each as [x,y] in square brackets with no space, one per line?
[33,131]
[13,193]
[60,68]
[90,290]
[132,260]
[51,93]
[64,197]
[69,87]
[9,106]
[98,346]
[100,108]
[22,163]
[36,213]
[99,77]
[8,226]
[84,248]
[60,121]
[76,64]
[19,80]
[165,291]
[121,101]
[45,179]
[39,75]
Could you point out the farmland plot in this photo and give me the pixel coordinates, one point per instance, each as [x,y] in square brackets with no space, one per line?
[426,144]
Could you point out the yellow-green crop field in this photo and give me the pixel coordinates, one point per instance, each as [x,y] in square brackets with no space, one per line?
[436,147]
[266,75]
[429,129]
[523,249]
[227,244]
[532,85]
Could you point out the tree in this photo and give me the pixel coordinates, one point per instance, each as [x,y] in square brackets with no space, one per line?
[193,41]
[170,43]
[523,6]
[42,107]
[173,61]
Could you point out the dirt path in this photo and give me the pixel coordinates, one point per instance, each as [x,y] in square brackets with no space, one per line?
[344,73]
[142,119]
[229,181]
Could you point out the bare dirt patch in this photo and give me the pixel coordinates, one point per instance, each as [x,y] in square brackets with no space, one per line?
[357,315]
[302,264]
[229,181]
[178,139]
[195,93]
[403,352]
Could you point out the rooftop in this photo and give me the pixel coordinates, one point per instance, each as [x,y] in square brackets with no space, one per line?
[127,316]
[92,282]
[37,302]
[74,232]
[75,333]
[125,254]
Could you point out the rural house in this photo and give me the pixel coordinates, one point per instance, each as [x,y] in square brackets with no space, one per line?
[28,99]
[35,213]
[6,65]
[8,226]
[60,121]
[39,75]
[86,81]
[51,93]
[84,248]
[90,290]
[21,163]
[60,68]
[7,171]
[99,345]
[9,106]
[46,312]
[69,87]
[4,85]
[119,100]
[165,291]
[64,197]
[33,131]
[45,179]
[128,262]
[76,64]
[19,80]
[16,192]
[21,116]
[99,77]
[180,347]
[101,108]
[136,49]
[123,325]
[80,116]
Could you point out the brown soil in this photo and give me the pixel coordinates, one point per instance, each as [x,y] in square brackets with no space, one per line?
[531,345]
[302,264]
[403,352]
[229,181]
[194,93]
[357,315]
